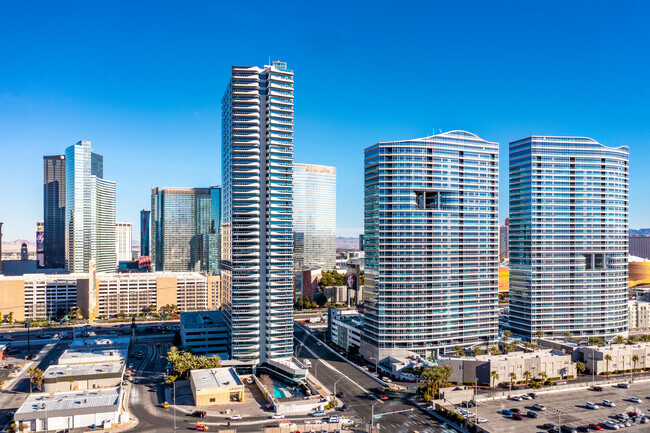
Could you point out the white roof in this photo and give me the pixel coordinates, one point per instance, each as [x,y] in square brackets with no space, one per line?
[77,370]
[214,378]
[75,400]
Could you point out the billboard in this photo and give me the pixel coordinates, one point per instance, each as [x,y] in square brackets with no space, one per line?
[40,240]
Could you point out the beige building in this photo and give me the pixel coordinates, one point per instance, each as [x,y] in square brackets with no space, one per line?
[40,295]
[214,386]
[78,377]
[615,358]
[123,241]
[639,314]
[553,362]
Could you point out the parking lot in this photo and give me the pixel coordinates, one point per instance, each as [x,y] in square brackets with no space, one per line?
[572,405]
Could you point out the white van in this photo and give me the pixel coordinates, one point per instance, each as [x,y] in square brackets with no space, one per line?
[307,363]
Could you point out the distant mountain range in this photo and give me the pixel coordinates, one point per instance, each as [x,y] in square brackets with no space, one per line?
[639,232]
[347,243]
[14,247]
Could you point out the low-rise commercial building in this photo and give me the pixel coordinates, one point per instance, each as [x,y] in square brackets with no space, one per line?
[205,333]
[79,377]
[216,386]
[553,363]
[69,410]
[616,358]
[639,314]
[96,351]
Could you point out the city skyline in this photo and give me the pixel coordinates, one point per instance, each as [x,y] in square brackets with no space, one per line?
[162,108]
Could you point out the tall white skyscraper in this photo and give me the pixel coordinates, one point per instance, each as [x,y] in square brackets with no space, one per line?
[431,234]
[257,183]
[123,241]
[89,211]
[568,237]
[314,216]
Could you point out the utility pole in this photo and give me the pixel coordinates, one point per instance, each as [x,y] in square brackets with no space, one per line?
[559,419]
[593,366]
[175,406]
[372,417]
[335,383]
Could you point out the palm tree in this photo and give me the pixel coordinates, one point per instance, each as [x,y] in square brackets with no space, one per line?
[539,333]
[567,335]
[543,375]
[631,339]
[494,376]
[645,337]
[459,351]
[513,378]
[506,336]
[608,358]
[580,368]
[494,350]
[619,339]
[477,350]
[527,376]
[635,359]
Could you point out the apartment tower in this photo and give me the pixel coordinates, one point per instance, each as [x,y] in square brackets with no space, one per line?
[257,181]
[431,240]
[568,237]
[89,211]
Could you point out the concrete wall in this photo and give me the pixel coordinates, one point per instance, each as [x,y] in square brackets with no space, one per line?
[81,384]
[165,292]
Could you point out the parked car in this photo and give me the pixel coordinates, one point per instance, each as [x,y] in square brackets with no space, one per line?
[622,416]
[507,412]
[277,416]
[598,388]
[611,425]
[515,410]
[591,405]
[199,414]
[623,385]
[538,406]
[318,413]
[517,416]
[526,397]
[532,414]
[584,428]
[595,427]
[533,394]
[516,398]
[568,429]
[481,420]
[608,403]
[635,399]
[548,425]
[234,417]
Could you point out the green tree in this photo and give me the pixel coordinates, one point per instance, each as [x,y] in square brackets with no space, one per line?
[527,376]
[183,361]
[608,358]
[645,338]
[513,378]
[459,351]
[168,310]
[506,336]
[619,339]
[477,350]
[75,313]
[494,350]
[567,335]
[543,375]
[631,339]
[36,377]
[580,368]
[635,359]
[539,333]
[495,376]
[435,377]
[9,318]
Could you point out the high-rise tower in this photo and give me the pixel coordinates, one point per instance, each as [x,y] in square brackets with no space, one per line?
[257,256]
[431,238]
[89,211]
[314,216]
[568,237]
[54,211]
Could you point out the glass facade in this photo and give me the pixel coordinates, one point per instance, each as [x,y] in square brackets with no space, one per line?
[314,216]
[568,237]
[257,172]
[54,211]
[185,229]
[89,211]
[431,240]
[145,224]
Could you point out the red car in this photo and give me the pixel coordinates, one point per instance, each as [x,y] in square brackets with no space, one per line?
[595,427]
[383,398]
[302,323]
[517,416]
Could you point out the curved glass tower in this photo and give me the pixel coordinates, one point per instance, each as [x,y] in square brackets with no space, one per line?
[568,237]
[431,239]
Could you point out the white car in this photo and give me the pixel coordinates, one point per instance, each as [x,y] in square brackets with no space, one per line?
[386,379]
[234,417]
[538,406]
[610,425]
[481,420]
[277,416]
[608,403]
[591,405]
[365,368]
[635,400]
[526,397]
[516,398]
[318,413]
[374,374]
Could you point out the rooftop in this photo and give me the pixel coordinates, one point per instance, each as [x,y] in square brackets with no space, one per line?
[69,403]
[100,341]
[203,319]
[214,378]
[77,370]
[83,354]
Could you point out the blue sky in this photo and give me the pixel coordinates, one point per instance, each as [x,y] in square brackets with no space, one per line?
[143,81]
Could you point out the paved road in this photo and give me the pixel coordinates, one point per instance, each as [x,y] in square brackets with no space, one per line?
[355,383]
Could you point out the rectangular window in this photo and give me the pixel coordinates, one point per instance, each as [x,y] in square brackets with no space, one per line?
[427,199]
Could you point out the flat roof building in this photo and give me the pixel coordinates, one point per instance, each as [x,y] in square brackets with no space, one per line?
[74,377]
[69,410]
[205,333]
[215,386]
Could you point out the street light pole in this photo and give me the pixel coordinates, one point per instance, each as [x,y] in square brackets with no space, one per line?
[174,405]
[335,383]
[372,417]
[593,366]
[559,418]
[475,395]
